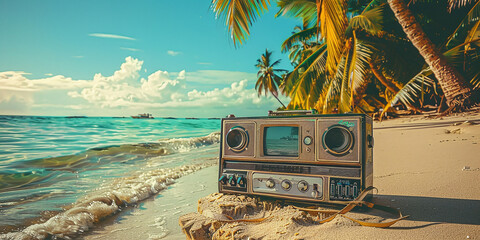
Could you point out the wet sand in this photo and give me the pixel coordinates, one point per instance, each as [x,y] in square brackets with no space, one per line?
[428,169]
[157,218]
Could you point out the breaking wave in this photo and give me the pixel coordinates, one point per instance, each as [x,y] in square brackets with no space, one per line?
[41,171]
[112,196]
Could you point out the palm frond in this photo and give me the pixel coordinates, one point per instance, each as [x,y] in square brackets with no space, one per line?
[343,73]
[300,37]
[364,107]
[472,16]
[358,65]
[332,16]
[456,54]
[458,3]
[239,15]
[370,21]
[475,81]
[409,94]
[351,73]
[330,96]
[299,82]
[373,4]
[304,9]
[474,33]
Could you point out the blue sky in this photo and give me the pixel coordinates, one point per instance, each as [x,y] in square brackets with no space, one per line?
[119,58]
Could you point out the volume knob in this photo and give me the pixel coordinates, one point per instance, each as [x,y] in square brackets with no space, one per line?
[286,185]
[302,186]
[223,179]
[270,183]
[241,181]
[232,180]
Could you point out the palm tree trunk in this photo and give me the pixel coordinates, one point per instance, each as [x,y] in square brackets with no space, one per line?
[275,95]
[457,91]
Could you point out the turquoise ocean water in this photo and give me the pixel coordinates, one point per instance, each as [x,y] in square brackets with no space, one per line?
[82,169]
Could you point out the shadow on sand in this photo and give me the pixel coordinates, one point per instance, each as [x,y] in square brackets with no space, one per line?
[432,209]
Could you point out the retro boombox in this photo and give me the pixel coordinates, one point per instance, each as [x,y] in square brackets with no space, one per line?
[313,158]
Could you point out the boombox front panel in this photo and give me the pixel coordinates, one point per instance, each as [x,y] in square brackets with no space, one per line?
[332,170]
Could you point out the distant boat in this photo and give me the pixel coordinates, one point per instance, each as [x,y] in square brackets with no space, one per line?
[144,116]
[192,118]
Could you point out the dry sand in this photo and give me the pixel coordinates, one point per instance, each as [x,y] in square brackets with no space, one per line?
[429,169]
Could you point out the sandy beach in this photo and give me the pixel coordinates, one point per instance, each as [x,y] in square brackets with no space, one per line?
[427,168]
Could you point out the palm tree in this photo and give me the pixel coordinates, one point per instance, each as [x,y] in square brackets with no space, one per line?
[311,84]
[342,68]
[458,92]
[268,79]
[341,59]
[240,14]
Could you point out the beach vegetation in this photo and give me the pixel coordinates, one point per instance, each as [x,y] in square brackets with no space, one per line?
[457,91]
[373,56]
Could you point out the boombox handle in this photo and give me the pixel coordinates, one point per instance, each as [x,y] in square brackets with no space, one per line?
[291,112]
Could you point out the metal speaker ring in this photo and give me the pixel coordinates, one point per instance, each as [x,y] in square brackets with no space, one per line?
[338,140]
[237,139]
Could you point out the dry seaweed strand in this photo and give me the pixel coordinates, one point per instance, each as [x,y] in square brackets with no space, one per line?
[351,205]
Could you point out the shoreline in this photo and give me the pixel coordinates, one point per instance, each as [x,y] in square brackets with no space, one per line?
[427,168]
[157,217]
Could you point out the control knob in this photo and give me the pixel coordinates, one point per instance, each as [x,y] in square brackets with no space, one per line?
[232,180]
[223,179]
[270,183]
[302,186]
[241,181]
[286,185]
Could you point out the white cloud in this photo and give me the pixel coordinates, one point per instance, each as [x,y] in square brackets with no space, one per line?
[160,86]
[116,90]
[16,81]
[235,95]
[48,74]
[160,91]
[219,77]
[130,49]
[106,35]
[173,53]
[126,88]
